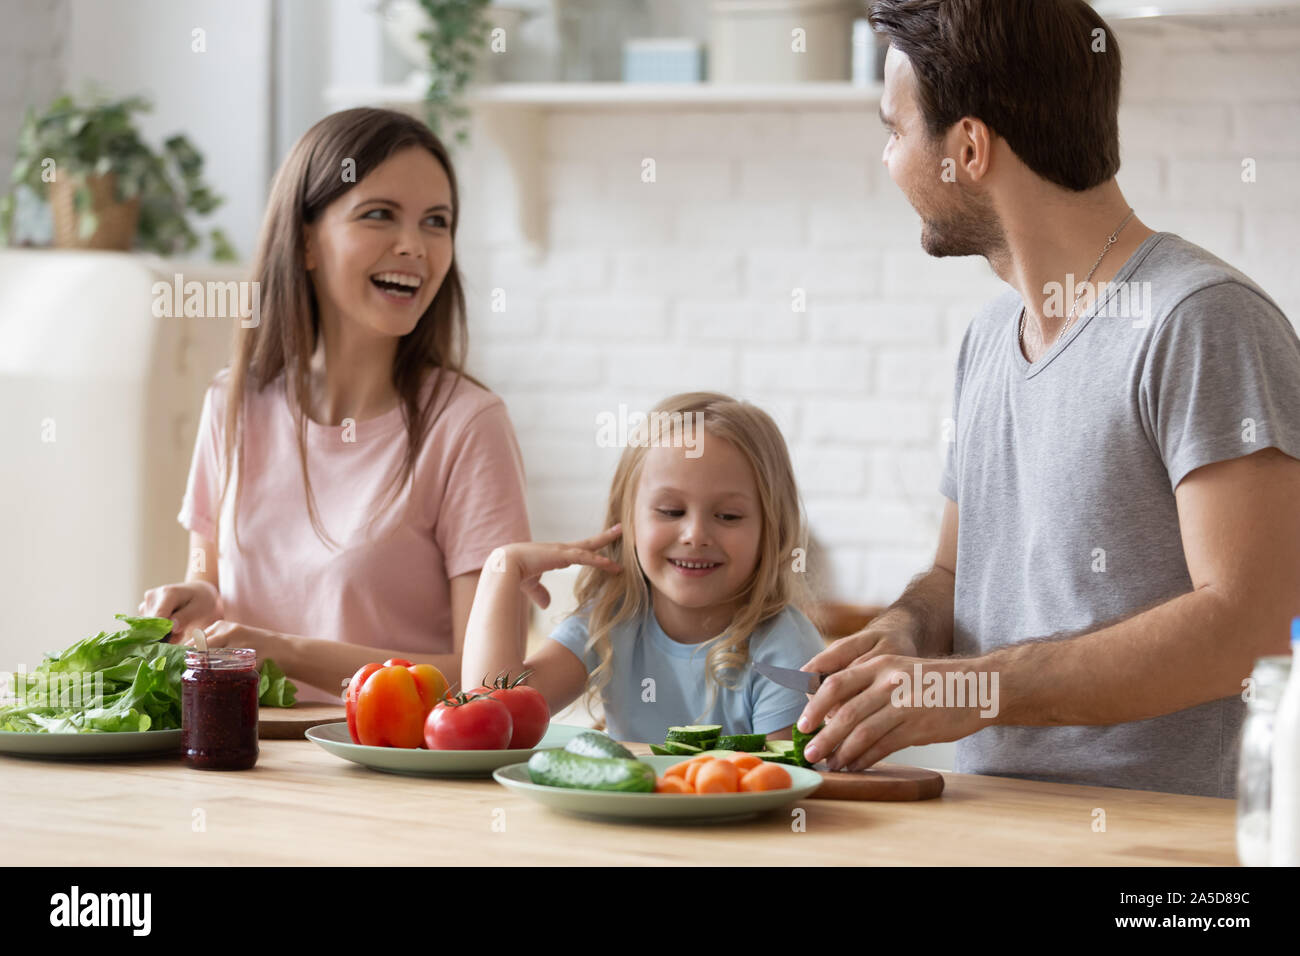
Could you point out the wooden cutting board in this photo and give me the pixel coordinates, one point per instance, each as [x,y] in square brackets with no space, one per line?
[882,782]
[289,723]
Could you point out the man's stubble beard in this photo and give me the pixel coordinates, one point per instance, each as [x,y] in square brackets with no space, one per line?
[963,222]
[967,228]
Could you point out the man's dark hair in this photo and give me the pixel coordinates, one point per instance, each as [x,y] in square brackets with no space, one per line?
[1035,71]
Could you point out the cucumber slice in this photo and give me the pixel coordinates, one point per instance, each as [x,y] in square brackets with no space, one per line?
[781,746]
[745,743]
[800,741]
[697,734]
[779,758]
[675,749]
[660,751]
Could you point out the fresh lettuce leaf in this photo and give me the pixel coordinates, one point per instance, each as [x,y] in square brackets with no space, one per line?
[140,677]
[274,689]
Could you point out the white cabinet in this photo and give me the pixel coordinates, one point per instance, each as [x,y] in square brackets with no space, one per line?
[98,406]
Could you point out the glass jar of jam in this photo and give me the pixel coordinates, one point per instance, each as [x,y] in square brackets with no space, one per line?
[219,709]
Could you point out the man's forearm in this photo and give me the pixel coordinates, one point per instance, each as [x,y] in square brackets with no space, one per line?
[925,610]
[1195,648]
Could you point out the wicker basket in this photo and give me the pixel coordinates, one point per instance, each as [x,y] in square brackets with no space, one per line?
[117,220]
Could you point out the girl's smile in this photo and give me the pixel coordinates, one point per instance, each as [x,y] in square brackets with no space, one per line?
[697,529]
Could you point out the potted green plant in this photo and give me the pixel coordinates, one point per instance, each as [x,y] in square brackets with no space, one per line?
[106,187]
[449,36]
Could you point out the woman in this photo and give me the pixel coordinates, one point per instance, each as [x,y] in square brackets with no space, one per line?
[349,479]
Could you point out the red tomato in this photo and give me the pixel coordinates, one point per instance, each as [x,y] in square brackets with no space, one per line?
[468,723]
[527,706]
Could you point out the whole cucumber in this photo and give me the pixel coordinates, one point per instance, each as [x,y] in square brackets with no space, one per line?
[592,743]
[559,768]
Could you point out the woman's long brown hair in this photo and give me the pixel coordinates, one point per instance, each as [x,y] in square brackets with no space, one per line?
[329,160]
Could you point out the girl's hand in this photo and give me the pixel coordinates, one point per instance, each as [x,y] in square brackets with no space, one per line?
[188,604]
[531,558]
[229,634]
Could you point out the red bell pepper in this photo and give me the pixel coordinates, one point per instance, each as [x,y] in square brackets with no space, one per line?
[388,703]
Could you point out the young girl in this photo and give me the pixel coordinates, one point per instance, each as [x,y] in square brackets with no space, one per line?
[349,479]
[695,578]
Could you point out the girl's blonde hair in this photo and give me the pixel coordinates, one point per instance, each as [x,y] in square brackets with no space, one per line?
[613,600]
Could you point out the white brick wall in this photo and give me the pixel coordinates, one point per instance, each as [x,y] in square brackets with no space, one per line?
[686,283]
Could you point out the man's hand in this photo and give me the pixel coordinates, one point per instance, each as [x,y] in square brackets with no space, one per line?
[874,707]
[881,636]
[884,635]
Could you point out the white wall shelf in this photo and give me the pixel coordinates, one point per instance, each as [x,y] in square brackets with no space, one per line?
[510,118]
[564,95]
[578,95]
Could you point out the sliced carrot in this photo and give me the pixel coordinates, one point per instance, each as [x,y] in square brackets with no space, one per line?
[693,768]
[677,769]
[766,776]
[718,776]
[745,762]
[673,785]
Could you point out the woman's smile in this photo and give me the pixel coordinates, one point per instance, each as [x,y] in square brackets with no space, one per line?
[399,288]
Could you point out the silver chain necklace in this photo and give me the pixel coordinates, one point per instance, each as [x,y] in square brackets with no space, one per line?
[1114,237]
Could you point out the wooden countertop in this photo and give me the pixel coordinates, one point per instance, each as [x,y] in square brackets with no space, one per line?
[302,806]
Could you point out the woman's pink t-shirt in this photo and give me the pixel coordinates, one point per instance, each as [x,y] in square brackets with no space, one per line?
[385,590]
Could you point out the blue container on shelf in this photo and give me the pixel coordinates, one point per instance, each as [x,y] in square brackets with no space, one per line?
[666,60]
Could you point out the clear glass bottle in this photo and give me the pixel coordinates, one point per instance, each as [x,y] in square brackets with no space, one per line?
[1284,807]
[1255,766]
[219,709]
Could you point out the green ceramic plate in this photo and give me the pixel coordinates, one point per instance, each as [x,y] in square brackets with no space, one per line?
[103,745]
[431,763]
[666,807]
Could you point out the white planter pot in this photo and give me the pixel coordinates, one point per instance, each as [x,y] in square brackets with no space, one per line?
[782,41]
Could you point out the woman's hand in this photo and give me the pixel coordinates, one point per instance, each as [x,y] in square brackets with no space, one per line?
[229,634]
[530,559]
[187,603]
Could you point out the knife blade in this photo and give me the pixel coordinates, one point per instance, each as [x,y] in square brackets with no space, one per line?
[789,677]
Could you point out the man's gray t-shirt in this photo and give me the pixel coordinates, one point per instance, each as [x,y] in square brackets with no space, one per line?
[1064,472]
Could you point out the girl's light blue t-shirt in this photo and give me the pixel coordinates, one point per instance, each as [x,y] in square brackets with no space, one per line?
[659,683]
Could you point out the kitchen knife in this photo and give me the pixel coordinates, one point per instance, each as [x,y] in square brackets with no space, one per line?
[789,677]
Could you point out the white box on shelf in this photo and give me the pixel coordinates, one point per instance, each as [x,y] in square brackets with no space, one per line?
[663,60]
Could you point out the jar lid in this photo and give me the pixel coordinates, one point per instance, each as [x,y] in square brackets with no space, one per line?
[221,658]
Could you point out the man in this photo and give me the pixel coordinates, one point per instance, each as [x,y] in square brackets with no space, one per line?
[1127,428]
